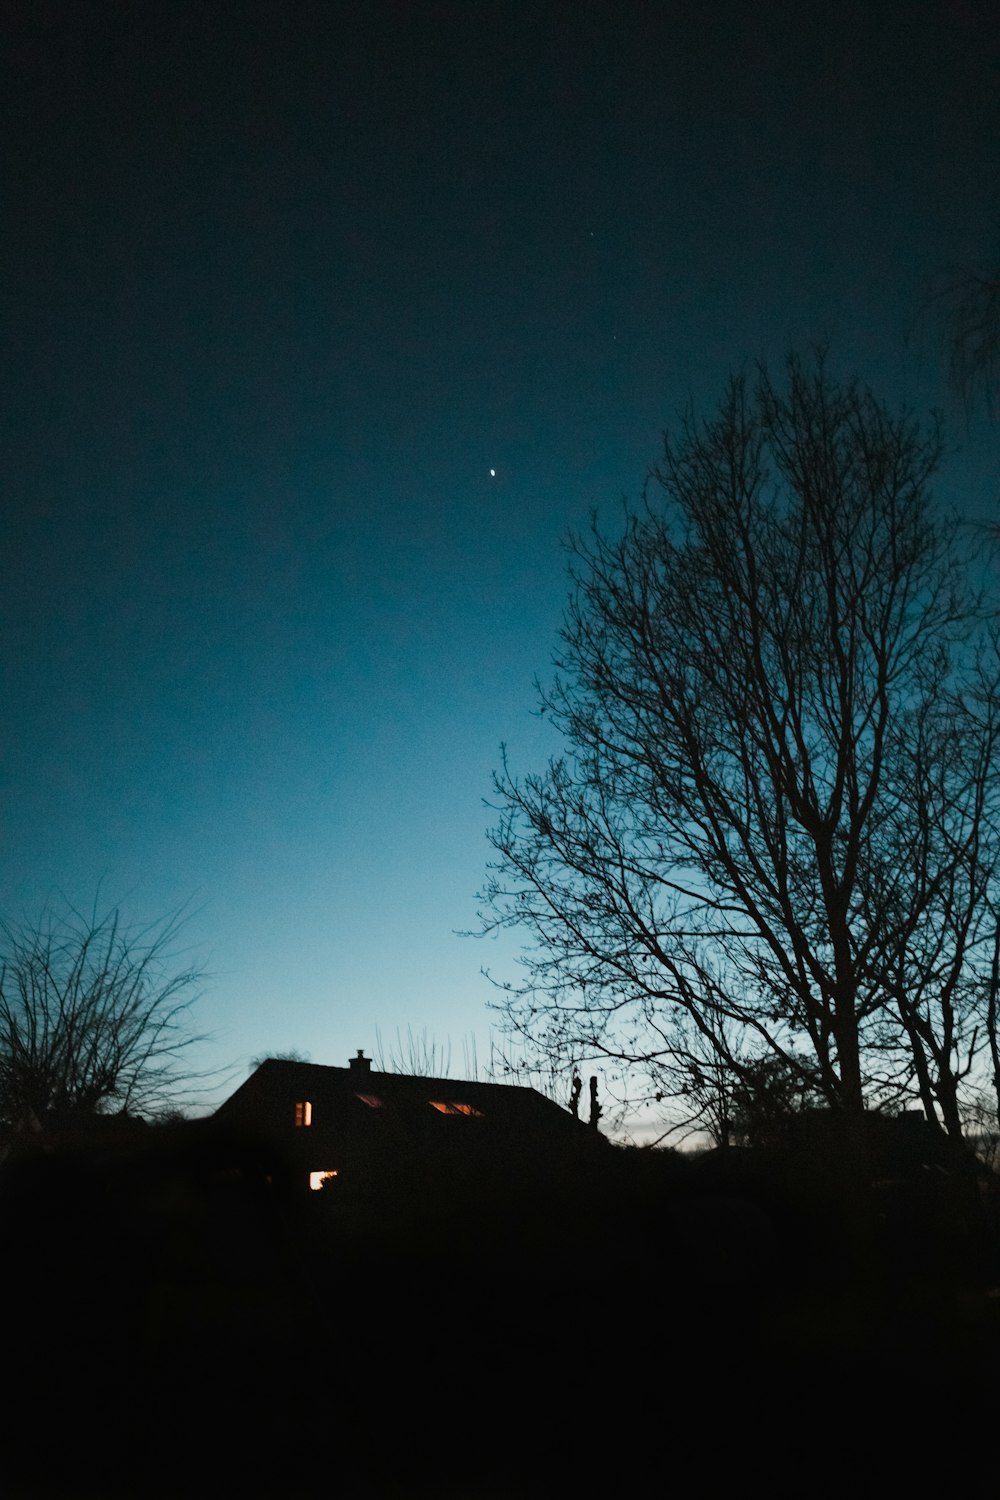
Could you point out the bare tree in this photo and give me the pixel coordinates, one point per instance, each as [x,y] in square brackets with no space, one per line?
[765,1096]
[421,1057]
[940,899]
[705,1079]
[290,1054]
[971,300]
[756,687]
[94,1014]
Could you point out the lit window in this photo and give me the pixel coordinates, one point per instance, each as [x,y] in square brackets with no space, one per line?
[372,1100]
[451,1108]
[304,1112]
[319,1179]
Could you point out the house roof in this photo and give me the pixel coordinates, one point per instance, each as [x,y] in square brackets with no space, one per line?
[360,1097]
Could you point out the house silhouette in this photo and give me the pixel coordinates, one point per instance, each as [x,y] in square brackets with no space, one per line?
[357,1132]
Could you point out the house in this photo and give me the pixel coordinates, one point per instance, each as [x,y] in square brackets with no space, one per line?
[359,1132]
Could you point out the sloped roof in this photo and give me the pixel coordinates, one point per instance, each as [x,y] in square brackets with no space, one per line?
[346,1097]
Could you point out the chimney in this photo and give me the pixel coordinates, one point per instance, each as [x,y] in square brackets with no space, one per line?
[361,1063]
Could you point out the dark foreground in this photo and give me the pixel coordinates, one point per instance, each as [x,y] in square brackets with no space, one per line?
[177,1327]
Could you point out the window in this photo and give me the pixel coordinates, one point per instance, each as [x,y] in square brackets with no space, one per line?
[320,1179]
[372,1100]
[452,1108]
[304,1112]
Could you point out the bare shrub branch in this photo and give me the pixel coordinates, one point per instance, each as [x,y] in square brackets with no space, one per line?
[94,1013]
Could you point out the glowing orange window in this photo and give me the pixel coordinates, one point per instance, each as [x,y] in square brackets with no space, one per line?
[304,1112]
[451,1108]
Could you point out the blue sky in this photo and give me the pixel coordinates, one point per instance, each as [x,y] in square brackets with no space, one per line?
[281,285]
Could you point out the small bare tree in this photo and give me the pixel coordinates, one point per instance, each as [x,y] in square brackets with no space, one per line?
[94,1014]
[421,1057]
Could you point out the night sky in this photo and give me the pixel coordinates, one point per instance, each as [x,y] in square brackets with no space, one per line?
[281,285]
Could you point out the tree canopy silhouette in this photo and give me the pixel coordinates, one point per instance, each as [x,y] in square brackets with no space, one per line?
[773,829]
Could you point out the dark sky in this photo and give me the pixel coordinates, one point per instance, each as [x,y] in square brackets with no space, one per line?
[281,284]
